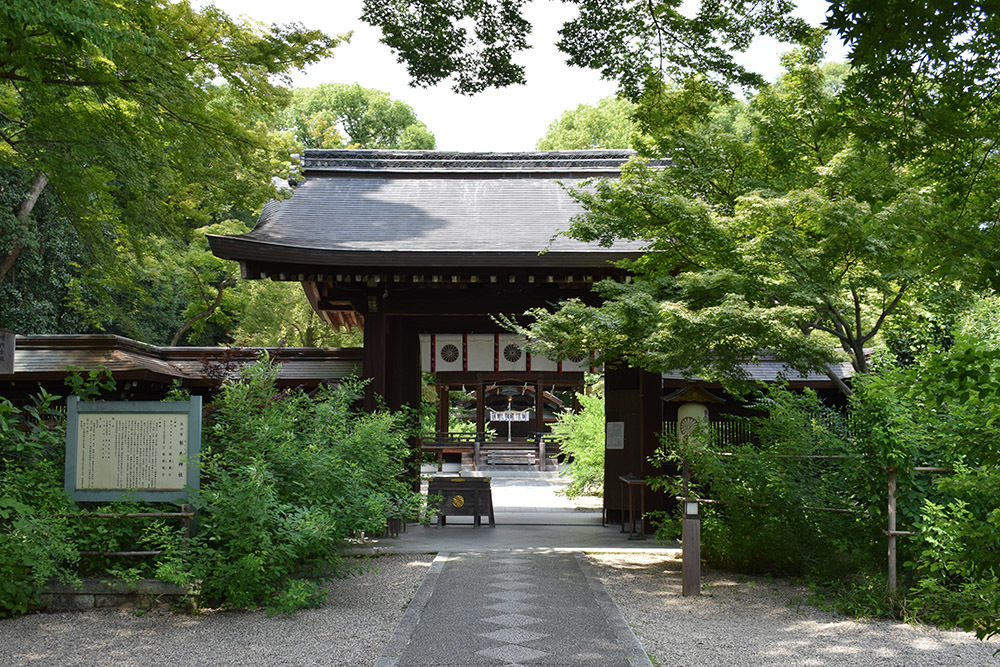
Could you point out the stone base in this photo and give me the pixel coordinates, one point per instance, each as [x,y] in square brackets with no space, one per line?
[114,593]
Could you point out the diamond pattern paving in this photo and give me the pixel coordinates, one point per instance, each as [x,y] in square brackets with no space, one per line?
[512,596]
[514,635]
[480,612]
[511,607]
[511,585]
[512,620]
[512,652]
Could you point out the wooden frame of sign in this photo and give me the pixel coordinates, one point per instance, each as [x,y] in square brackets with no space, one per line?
[146,450]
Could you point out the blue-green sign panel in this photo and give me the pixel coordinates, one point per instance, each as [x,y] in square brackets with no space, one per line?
[141,449]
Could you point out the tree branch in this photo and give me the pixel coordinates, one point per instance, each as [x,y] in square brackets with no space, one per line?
[22,213]
[212,307]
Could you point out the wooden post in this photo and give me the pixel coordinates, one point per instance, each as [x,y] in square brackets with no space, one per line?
[892,531]
[540,422]
[441,418]
[481,410]
[691,549]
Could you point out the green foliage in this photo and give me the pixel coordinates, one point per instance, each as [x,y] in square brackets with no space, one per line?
[337,115]
[607,125]
[89,385]
[286,478]
[942,411]
[477,42]
[121,106]
[770,521]
[582,443]
[775,228]
[35,543]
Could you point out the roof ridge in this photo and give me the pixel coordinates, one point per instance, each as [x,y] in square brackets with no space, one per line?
[341,159]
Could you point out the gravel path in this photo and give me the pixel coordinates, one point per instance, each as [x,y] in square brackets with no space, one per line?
[358,619]
[736,621]
[756,621]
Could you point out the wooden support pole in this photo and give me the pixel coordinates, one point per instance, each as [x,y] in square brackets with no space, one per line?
[892,531]
[540,422]
[691,549]
[441,418]
[481,410]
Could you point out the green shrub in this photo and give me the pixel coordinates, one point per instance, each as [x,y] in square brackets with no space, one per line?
[286,479]
[36,544]
[583,445]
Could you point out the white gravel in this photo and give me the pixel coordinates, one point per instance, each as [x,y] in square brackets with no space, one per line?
[756,621]
[737,621]
[358,619]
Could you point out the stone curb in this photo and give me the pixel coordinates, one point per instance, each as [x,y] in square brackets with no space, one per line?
[404,631]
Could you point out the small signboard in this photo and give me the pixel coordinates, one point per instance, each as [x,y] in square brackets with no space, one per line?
[7,339]
[142,449]
[614,435]
[510,415]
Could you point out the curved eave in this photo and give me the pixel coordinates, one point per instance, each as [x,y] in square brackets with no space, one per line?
[244,249]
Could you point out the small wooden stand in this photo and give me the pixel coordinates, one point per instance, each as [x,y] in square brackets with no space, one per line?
[463,496]
[630,482]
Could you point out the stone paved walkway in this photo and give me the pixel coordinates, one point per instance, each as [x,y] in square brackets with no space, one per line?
[511,608]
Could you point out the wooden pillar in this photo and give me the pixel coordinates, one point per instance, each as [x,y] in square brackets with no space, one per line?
[441,419]
[374,359]
[633,398]
[539,407]
[480,407]
[540,422]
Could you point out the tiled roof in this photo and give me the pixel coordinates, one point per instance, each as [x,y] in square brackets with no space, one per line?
[771,369]
[436,208]
[47,357]
[603,161]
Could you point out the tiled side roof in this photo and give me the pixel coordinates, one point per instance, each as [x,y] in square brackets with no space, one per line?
[770,369]
[453,162]
[47,356]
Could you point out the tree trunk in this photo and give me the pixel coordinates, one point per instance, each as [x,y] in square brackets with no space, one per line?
[22,212]
[203,314]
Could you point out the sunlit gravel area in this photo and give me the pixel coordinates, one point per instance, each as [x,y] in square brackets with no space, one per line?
[358,619]
[756,621]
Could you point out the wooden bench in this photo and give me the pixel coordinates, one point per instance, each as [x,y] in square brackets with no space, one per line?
[524,457]
[453,443]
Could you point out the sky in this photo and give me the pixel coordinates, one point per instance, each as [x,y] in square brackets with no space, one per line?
[511,119]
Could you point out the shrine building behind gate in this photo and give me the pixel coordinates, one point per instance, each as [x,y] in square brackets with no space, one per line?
[431,246]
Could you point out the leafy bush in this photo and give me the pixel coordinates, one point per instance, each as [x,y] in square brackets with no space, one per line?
[36,544]
[772,517]
[583,445]
[940,408]
[286,479]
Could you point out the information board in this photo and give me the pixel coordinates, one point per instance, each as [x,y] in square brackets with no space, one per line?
[614,435]
[143,449]
[7,340]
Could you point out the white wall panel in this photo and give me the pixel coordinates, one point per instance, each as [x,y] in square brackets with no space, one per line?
[448,352]
[481,352]
[512,354]
[540,363]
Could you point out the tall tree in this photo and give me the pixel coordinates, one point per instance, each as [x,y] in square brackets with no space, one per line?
[337,115]
[607,125]
[774,229]
[477,41]
[139,116]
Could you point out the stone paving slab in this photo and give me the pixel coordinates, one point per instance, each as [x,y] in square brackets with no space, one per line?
[518,607]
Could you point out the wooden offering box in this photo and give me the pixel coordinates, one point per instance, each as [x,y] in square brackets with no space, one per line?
[462,496]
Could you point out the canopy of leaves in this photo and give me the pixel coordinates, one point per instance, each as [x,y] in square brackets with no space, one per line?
[774,229]
[143,115]
[477,41]
[607,125]
[337,115]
